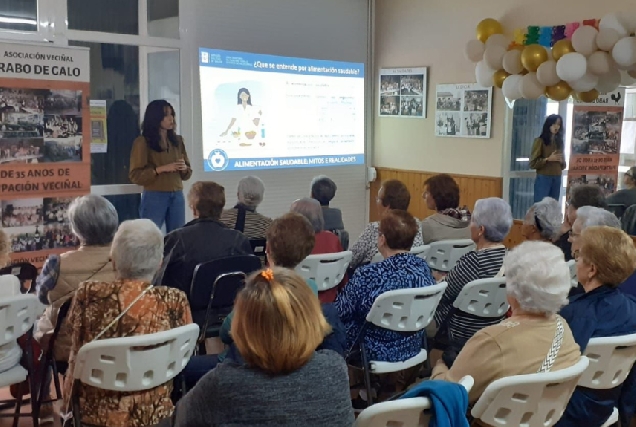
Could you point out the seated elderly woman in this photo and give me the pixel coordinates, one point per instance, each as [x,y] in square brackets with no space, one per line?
[393,195]
[277,327]
[323,189]
[605,258]
[326,241]
[189,246]
[399,270]
[580,195]
[490,224]
[543,221]
[450,222]
[243,217]
[94,221]
[125,307]
[537,285]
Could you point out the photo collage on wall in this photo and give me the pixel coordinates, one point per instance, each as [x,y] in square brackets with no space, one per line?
[403,92]
[39,126]
[463,110]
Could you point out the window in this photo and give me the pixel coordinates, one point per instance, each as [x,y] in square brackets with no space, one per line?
[163,18]
[19,15]
[108,16]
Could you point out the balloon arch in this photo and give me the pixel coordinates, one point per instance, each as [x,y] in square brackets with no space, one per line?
[582,60]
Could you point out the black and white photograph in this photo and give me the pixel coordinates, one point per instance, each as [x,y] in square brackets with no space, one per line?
[63,149]
[473,105]
[21,113]
[63,103]
[62,126]
[390,106]
[403,92]
[56,210]
[606,182]
[596,132]
[22,212]
[21,150]
[447,124]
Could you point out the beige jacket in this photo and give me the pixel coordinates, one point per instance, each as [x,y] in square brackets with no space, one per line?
[439,227]
[87,263]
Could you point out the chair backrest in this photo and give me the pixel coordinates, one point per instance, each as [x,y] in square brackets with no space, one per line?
[628,221]
[611,359]
[533,400]
[617,209]
[443,255]
[17,315]
[136,363]
[406,310]
[327,270]
[573,278]
[411,412]
[205,276]
[258,246]
[483,298]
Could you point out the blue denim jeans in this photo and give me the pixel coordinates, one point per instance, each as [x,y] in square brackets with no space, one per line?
[163,207]
[547,186]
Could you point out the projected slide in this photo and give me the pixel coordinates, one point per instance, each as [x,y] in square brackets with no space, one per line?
[270,112]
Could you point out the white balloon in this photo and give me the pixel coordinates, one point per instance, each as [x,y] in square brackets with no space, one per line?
[512,62]
[600,62]
[571,67]
[530,87]
[607,38]
[484,74]
[511,87]
[546,73]
[608,82]
[494,55]
[626,79]
[584,40]
[585,83]
[474,50]
[624,52]
[632,73]
[615,22]
[498,40]
[629,21]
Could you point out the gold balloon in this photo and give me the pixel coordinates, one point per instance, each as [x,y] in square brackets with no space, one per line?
[533,56]
[587,96]
[499,77]
[487,28]
[559,92]
[560,48]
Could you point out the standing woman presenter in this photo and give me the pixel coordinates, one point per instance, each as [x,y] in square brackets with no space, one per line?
[159,163]
[548,160]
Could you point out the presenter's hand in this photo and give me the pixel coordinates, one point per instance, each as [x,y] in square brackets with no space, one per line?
[555,157]
[181,165]
[170,167]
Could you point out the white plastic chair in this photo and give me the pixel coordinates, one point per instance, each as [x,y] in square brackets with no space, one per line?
[443,255]
[572,267]
[133,363]
[611,360]
[412,412]
[420,251]
[402,310]
[327,270]
[533,400]
[483,298]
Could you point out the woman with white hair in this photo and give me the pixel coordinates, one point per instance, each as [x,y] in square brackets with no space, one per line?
[490,224]
[127,306]
[537,285]
[543,221]
[243,217]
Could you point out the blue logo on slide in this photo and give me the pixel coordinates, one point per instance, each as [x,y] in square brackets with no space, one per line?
[218,159]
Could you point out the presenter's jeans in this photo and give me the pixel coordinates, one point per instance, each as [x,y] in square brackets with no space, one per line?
[547,186]
[163,207]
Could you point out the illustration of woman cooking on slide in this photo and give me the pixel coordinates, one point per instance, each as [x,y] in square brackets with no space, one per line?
[246,119]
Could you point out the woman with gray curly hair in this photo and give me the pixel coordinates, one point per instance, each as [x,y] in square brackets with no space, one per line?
[537,285]
[543,221]
[243,217]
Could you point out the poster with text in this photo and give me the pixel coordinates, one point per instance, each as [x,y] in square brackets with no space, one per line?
[99,139]
[44,148]
[403,92]
[463,110]
[596,141]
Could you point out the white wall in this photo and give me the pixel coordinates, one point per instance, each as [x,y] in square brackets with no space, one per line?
[433,33]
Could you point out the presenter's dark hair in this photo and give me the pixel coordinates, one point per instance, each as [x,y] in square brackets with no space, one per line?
[155,113]
[239,101]
[546,134]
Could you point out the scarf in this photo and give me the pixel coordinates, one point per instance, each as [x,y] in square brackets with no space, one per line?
[462,214]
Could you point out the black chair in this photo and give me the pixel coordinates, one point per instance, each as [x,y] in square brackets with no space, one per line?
[258,248]
[214,287]
[25,272]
